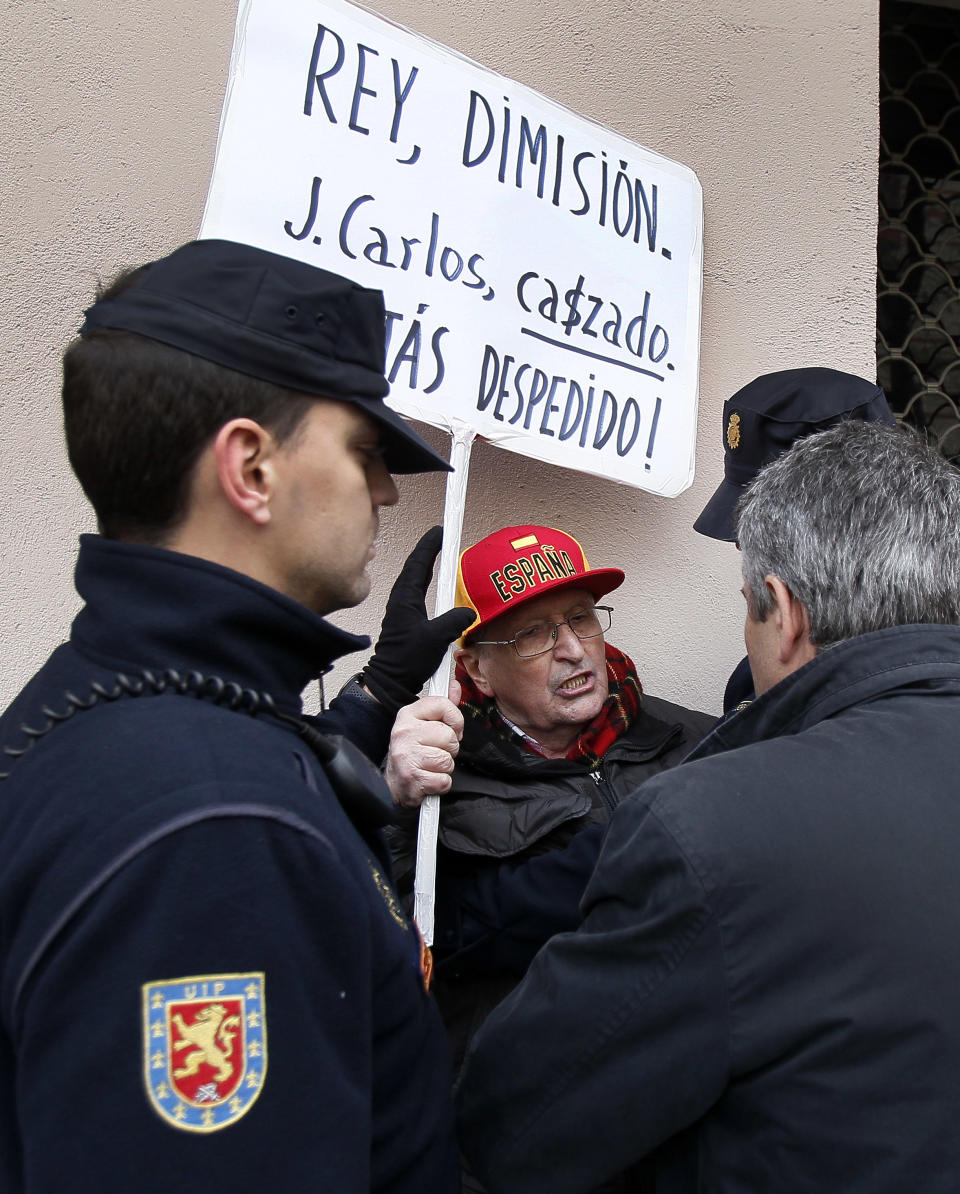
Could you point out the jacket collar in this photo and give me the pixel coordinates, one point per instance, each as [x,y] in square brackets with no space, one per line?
[858,670]
[495,750]
[151,608]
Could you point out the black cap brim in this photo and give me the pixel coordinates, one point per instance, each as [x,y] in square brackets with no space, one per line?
[403,450]
[716,517]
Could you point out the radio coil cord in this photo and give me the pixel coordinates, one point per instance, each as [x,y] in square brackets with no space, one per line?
[357,782]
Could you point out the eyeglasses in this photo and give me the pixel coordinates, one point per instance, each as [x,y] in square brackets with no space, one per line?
[537,640]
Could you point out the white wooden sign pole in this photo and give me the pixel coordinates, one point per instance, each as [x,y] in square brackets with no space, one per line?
[424,884]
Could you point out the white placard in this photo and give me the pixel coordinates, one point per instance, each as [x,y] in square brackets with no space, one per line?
[542,274]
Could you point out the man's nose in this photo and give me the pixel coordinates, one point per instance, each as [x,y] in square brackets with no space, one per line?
[568,645]
[383,488]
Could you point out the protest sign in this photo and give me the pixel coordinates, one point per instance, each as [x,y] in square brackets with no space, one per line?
[542,274]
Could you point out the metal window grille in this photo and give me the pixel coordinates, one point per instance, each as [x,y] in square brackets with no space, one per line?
[918,244]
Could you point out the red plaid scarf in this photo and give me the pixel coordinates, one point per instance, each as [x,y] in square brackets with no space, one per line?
[616,715]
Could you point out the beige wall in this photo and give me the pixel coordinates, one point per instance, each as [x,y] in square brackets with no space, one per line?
[109,122]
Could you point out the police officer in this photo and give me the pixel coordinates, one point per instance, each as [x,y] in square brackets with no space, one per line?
[760,422]
[208,983]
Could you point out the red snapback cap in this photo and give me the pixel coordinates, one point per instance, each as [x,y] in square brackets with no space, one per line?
[516,564]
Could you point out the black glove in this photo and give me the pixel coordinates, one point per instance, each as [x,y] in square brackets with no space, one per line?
[411,646]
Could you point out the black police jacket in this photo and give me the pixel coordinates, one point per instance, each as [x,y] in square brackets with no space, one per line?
[207,981]
[763,995]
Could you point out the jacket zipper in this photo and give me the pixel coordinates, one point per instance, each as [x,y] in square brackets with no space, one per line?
[606,795]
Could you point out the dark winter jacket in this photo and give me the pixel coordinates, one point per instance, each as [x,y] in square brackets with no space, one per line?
[519,836]
[763,995]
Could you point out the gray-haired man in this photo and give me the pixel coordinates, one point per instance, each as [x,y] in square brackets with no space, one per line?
[763,994]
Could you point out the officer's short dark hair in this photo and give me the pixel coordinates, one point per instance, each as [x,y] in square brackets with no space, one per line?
[137,415]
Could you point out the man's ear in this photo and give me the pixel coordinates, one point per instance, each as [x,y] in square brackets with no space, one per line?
[472,660]
[244,454]
[794,648]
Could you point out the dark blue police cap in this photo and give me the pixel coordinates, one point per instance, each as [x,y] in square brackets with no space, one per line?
[274,318]
[769,415]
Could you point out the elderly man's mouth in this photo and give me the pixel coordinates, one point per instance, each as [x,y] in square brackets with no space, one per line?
[576,684]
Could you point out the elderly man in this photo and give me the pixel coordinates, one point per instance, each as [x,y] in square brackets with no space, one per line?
[763,993]
[208,982]
[557,731]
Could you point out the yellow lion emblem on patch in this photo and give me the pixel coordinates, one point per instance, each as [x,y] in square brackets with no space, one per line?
[733,432]
[211,1034]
